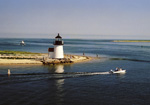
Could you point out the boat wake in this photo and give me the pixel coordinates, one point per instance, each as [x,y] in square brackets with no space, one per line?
[17,78]
[95,73]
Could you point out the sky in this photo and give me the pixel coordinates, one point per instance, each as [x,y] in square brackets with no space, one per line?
[86,19]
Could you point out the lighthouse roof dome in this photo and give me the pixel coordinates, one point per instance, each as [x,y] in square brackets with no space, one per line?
[58,36]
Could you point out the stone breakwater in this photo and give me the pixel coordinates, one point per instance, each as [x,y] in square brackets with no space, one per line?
[67,59]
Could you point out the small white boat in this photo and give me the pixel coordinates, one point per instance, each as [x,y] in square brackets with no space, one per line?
[117,71]
[22,43]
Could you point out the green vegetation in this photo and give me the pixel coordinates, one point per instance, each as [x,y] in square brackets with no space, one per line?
[131,40]
[16,52]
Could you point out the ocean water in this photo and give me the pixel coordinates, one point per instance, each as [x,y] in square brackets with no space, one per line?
[87,83]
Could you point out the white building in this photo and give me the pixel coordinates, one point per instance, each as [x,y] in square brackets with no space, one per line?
[57,52]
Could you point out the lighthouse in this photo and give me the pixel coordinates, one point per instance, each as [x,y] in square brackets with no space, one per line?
[57,52]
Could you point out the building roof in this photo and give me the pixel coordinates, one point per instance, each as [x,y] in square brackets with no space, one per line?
[58,36]
[50,49]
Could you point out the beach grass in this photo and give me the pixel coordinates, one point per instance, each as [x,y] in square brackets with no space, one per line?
[15,52]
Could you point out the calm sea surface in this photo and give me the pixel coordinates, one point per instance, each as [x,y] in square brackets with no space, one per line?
[87,83]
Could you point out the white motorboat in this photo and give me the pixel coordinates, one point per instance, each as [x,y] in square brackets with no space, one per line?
[22,43]
[117,71]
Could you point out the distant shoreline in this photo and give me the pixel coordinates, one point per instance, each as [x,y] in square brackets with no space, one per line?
[131,41]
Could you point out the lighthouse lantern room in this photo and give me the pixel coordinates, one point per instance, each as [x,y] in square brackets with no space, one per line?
[57,52]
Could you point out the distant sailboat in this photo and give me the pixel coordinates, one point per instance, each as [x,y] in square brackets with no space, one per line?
[22,43]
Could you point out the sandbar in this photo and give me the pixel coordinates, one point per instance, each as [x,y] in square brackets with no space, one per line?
[32,59]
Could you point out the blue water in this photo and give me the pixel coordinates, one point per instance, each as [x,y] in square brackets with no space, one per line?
[87,83]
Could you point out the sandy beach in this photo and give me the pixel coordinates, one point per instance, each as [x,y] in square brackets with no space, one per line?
[38,60]
[77,58]
[19,61]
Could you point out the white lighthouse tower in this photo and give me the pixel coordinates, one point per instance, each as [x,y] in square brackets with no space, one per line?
[57,52]
[58,48]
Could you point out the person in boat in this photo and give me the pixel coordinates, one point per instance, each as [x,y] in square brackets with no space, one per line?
[120,69]
[117,69]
